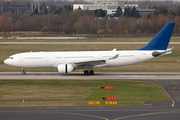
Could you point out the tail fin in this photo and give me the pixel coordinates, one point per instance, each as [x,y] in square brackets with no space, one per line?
[162,38]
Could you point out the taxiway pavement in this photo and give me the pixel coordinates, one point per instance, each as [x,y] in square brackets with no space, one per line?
[91,113]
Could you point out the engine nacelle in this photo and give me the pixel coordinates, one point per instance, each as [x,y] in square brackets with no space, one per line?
[65,68]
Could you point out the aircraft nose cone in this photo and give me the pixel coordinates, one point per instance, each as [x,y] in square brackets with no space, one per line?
[6,61]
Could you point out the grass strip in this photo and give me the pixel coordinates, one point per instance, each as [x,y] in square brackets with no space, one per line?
[92,39]
[80,90]
[63,104]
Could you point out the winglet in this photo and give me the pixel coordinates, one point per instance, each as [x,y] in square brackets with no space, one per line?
[162,38]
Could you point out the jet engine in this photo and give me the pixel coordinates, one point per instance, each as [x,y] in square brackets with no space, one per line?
[65,68]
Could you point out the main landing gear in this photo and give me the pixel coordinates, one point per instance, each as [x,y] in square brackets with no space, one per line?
[23,71]
[87,72]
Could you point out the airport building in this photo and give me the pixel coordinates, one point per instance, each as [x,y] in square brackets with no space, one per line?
[111,7]
[131,5]
[146,11]
[14,8]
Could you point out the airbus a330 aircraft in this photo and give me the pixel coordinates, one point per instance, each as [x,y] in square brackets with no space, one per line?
[66,62]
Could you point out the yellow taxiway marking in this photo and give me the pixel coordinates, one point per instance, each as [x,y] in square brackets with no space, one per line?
[155,113]
[131,116]
[66,113]
[84,115]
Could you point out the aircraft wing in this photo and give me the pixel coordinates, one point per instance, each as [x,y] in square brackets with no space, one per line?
[93,63]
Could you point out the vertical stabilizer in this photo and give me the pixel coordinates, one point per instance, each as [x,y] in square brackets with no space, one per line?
[162,38]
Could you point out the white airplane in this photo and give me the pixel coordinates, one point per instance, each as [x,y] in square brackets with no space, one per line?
[66,62]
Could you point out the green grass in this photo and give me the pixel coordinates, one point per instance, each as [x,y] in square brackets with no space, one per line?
[64,104]
[36,104]
[80,90]
[103,39]
[77,90]
[118,104]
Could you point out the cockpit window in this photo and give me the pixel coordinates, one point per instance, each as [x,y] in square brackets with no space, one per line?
[10,57]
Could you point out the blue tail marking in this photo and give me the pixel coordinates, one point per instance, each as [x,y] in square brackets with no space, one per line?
[162,38]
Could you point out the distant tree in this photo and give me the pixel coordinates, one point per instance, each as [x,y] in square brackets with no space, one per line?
[127,12]
[79,8]
[46,11]
[178,11]
[58,11]
[53,8]
[100,13]
[149,16]
[5,24]
[27,4]
[118,12]
[65,7]
[43,4]
[17,25]
[69,8]
[45,29]
[85,22]
[163,11]
[83,25]
[172,13]
[8,3]
[43,7]
[137,14]
[110,31]
[1,23]
[133,11]
[36,11]
[154,7]
[101,31]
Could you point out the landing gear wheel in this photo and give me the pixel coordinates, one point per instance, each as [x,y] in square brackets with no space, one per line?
[23,72]
[91,72]
[85,72]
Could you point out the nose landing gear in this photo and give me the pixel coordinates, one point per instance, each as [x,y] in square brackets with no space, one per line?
[23,71]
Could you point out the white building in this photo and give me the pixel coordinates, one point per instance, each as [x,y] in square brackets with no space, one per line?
[131,5]
[108,8]
[111,7]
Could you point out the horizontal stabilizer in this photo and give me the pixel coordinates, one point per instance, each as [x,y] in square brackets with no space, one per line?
[159,53]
